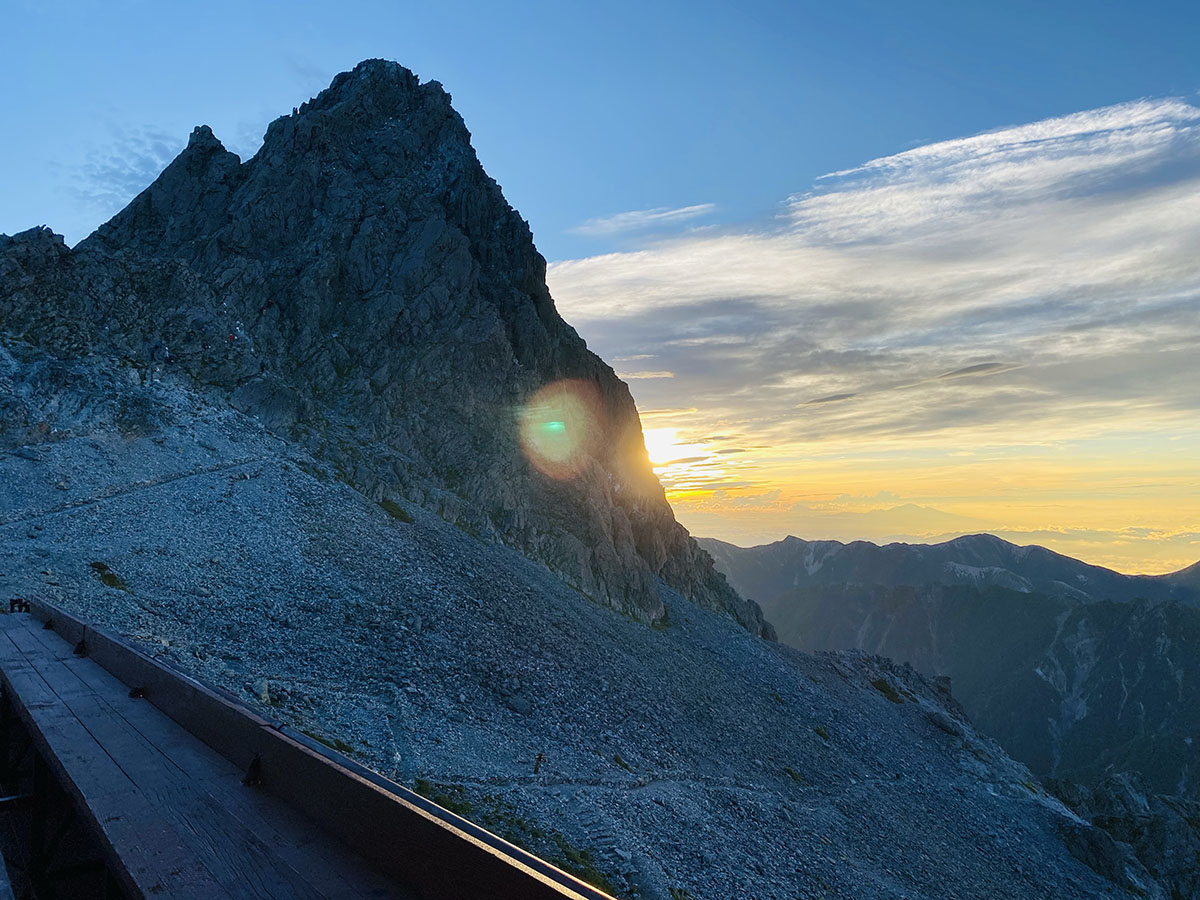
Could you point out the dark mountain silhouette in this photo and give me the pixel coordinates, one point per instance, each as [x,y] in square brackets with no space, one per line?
[362,284]
[1079,671]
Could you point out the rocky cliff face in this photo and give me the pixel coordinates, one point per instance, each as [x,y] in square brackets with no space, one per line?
[361,285]
[1162,831]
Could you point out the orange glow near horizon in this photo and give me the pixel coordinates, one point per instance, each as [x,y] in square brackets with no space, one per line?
[1130,504]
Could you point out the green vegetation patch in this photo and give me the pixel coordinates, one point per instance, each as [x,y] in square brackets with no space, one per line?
[821,731]
[580,864]
[620,762]
[794,775]
[680,893]
[395,510]
[502,818]
[448,796]
[332,743]
[885,687]
[108,577]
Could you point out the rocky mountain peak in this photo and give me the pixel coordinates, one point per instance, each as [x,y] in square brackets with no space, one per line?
[33,242]
[202,138]
[377,90]
[362,284]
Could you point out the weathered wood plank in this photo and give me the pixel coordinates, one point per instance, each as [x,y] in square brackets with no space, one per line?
[146,854]
[233,731]
[477,832]
[258,819]
[404,837]
[399,833]
[331,867]
[240,860]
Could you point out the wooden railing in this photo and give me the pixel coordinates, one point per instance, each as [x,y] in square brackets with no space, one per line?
[405,836]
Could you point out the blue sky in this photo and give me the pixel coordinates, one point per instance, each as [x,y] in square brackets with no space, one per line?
[581,111]
[871,270]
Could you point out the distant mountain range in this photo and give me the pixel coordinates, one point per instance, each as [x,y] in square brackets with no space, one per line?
[1077,670]
[977,560]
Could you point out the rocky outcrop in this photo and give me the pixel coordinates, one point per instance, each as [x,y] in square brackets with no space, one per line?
[362,284]
[1163,832]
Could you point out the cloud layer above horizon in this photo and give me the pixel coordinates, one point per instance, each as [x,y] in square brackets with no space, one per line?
[1034,286]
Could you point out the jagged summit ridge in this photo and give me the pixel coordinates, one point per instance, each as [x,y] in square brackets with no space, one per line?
[362,283]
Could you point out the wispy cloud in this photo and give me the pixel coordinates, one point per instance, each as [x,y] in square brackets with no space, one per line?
[635,376]
[977,369]
[1057,259]
[118,171]
[642,220]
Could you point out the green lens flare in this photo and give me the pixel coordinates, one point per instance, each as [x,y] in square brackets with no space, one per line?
[559,427]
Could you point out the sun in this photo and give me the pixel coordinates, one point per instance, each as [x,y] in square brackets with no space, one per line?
[660,444]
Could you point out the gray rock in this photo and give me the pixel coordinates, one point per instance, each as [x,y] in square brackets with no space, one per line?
[273,402]
[261,689]
[518,703]
[1096,849]
[1162,831]
[944,722]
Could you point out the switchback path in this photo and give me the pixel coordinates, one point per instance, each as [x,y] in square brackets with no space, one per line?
[120,490]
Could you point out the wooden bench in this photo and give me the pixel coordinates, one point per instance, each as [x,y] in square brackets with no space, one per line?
[159,774]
